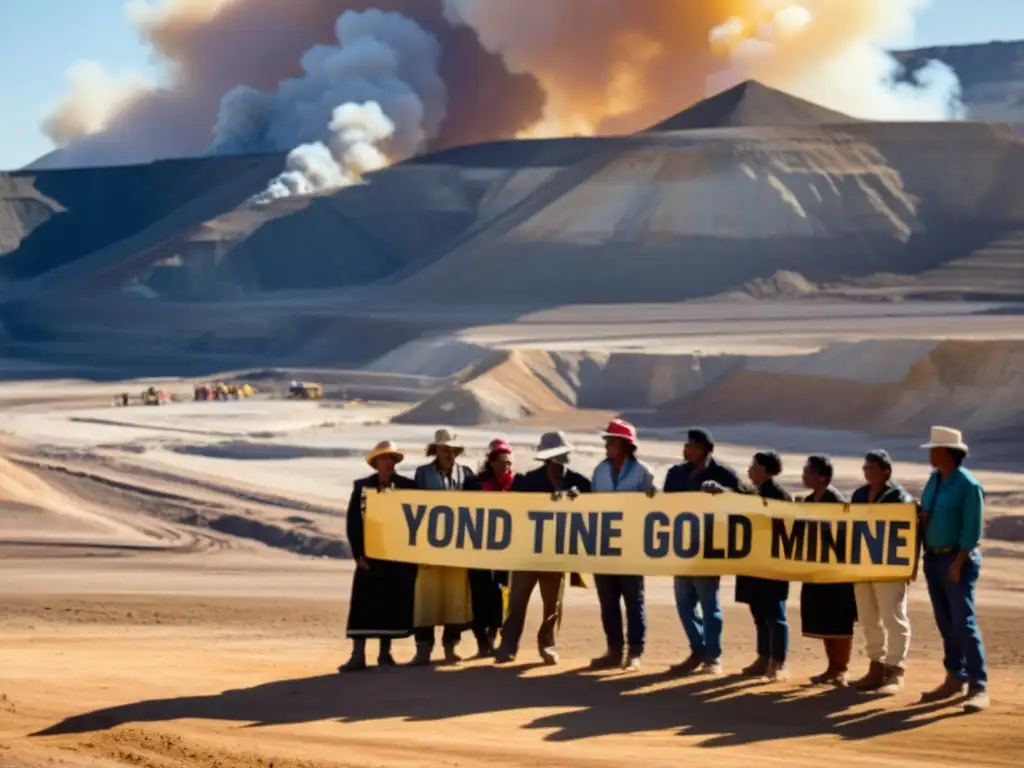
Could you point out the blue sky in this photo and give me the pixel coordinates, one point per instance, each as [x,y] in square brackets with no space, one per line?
[39,39]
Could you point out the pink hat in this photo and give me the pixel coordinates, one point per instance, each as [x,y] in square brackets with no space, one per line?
[499,446]
[621,429]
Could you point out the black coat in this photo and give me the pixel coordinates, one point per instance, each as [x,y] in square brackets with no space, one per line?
[750,589]
[538,481]
[354,516]
[381,604]
[683,478]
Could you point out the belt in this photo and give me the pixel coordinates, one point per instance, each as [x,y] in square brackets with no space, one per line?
[940,550]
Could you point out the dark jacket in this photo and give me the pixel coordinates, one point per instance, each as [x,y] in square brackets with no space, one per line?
[683,478]
[461,474]
[750,589]
[894,493]
[354,516]
[538,481]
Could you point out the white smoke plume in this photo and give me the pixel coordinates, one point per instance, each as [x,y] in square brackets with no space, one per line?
[352,150]
[380,83]
[380,57]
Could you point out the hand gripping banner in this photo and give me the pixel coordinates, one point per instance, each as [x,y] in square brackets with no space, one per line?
[678,534]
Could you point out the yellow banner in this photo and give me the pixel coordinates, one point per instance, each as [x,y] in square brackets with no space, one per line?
[677,534]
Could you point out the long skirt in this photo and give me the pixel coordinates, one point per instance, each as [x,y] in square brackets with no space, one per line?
[382,600]
[828,611]
[488,601]
[442,597]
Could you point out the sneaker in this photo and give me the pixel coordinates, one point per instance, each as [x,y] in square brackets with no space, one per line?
[759,668]
[977,699]
[777,672]
[688,667]
[632,663]
[873,680]
[611,660]
[712,668]
[549,656]
[950,687]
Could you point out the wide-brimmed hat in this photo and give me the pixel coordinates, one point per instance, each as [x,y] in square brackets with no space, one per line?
[946,437]
[447,438]
[384,448]
[552,445]
[621,429]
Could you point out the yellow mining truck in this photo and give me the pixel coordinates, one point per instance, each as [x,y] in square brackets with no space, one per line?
[305,390]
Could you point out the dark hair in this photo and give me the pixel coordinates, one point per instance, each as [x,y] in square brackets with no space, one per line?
[821,465]
[769,461]
[702,438]
[957,455]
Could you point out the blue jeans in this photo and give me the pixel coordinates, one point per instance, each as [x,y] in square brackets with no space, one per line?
[953,606]
[612,591]
[705,631]
[772,629]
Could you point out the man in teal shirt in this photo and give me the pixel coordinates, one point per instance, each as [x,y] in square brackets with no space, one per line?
[952,507]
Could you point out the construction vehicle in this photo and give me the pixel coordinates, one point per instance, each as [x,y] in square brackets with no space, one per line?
[305,390]
[154,396]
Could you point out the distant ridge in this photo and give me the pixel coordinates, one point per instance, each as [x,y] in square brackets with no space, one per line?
[750,104]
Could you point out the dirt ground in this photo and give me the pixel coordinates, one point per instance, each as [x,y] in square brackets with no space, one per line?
[210,678]
[137,630]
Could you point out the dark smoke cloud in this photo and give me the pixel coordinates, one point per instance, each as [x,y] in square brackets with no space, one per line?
[214,46]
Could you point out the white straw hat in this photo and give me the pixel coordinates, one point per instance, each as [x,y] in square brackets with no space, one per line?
[946,437]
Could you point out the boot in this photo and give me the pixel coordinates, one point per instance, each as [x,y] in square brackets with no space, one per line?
[384,657]
[450,656]
[504,656]
[893,681]
[874,679]
[759,668]
[950,687]
[484,647]
[691,665]
[422,657]
[977,699]
[357,662]
[611,660]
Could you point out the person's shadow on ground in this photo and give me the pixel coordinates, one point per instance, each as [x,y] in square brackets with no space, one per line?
[728,711]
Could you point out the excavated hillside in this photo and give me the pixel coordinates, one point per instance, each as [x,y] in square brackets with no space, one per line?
[744,184]
[884,388]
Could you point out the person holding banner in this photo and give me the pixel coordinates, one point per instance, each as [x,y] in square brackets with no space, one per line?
[952,510]
[828,611]
[554,477]
[767,597]
[621,471]
[443,595]
[381,604]
[882,605]
[700,471]
[485,585]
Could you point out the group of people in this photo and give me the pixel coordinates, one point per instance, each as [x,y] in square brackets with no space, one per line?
[393,600]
